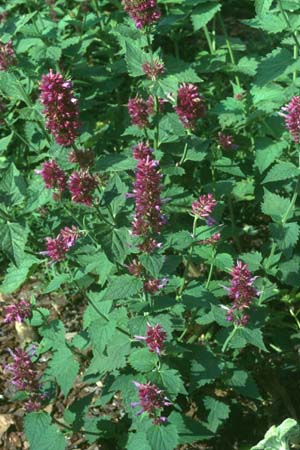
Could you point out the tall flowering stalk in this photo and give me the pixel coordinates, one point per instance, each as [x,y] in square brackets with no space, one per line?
[151,401]
[148,219]
[53,175]
[17,312]
[204,206]
[61,108]
[242,292]
[25,378]
[81,186]
[155,338]
[142,12]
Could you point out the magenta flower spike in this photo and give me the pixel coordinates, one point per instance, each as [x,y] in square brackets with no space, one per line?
[81,186]
[53,175]
[17,312]
[190,105]
[142,12]
[204,206]
[151,401]
[59,246]
[61,108]
[291,113]
[153,69]
[155,338]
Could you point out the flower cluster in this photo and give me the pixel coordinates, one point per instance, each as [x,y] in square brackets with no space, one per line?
[85,158]
[190,105]
[148,219]
[53,175]
[152,401]
[140,110]
[17,312]
[154,285]
[204,206]
[153,69]
[211,240]
[242,292]
[226,141]
[61,107]
[142,12]
[155,338]
[81,186]
[64,241]
[135,268]
[7,55]
[291,113]
[25,378]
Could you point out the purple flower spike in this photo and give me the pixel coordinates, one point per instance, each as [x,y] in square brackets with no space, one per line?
[17,312]
[241,292]
[64,241]
[53,175]
[190,105]
[142,12]
[154,285]
[153,69]
[204,206]
[291,113]
[152,401]
[81,186]
[61,108]
[7,55]
[155,338]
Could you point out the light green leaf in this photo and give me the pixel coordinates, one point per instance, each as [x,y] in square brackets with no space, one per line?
[13,239]
[163,438]
[284,170]
[64,368]
[142,360]
[276,206]
[41,434]
[204,13]
[218,412]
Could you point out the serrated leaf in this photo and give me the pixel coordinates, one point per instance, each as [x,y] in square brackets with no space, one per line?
[41,434]
[152,263]
[274,65]
[244,336]
[276,206]
[13,238]
[253,259]
[138,441]
[142,360]
[218,412]
[101,332]
[189,430]
[267,152]
[163,437]
[124,286]
[262,6]
[135,57]
[202,14]
[283,170]
[64,368]
[172,381]
[16,276]
[205,369]
[286,235]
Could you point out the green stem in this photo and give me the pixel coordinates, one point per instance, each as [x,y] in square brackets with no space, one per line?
[208,38]
[186,269]
[183,154]
[100,215]
[211,269]
[230,51]
[287,21]
[233,225]
[230,337]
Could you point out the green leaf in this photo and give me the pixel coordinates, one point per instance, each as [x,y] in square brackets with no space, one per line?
[218,412]
[253,259]
[138,441]
[124,286]
[262,7]
[152,263]
[12,185]
[101,332]
[273,66]
[227,165]
[5,141]
[203,14]
[244,336]
[135,57]
[64,368]
[142,360]
[41,434]
[189,430]
[16,276]
[267,152]
[13,238]
[56,283]
[163,437]
[205,369]
[283,170]
[276,206]
[172,381]
[286,235]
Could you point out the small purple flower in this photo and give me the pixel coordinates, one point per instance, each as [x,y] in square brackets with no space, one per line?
[81,186]
[59,246]
[226,141]
[155,338]
[17,312]
[242,292]
[135,268]
[7,55]
[142,12]
[204,206]
[61,108]
[190,105]
[154,285]
[152,401]
[153,69]
[291,113]
[53,175]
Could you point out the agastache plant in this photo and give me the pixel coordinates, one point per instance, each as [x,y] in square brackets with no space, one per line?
[17,312]
[58,247]
[155,338]
[142,12]
[7,56]
[152,402]
[291,113]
